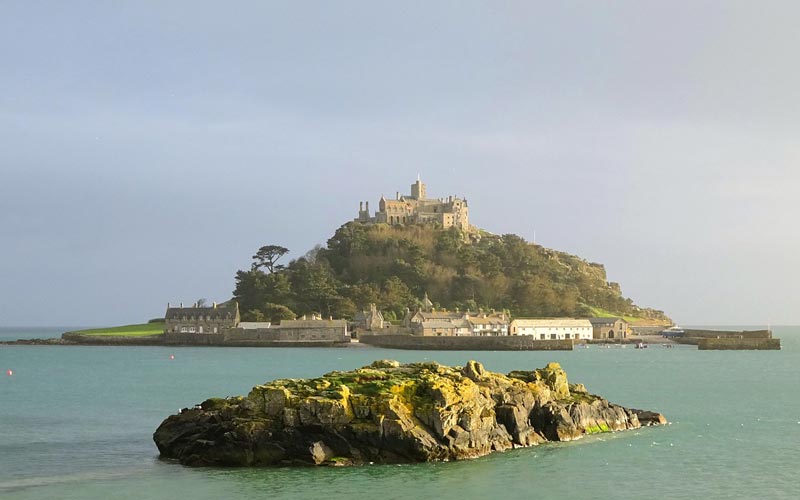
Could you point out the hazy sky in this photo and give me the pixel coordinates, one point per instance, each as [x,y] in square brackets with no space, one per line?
[147,149]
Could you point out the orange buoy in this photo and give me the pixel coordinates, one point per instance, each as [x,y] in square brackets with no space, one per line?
[9,372]
[171,356]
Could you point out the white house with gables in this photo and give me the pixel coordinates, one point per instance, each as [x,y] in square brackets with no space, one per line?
[553,328]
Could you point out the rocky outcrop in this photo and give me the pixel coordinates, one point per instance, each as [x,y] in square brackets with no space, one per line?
[391,413]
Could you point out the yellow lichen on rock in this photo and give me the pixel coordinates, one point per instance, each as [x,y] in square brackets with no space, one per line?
[390,412]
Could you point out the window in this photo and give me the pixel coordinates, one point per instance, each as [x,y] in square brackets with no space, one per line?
[566,336]
[552,336]
[215,329]
[192,329]
[201,329]
[183,329]
[542,336]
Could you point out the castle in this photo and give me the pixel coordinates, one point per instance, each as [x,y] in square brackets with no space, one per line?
[416,208]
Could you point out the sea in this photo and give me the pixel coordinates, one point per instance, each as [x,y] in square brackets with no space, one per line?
[77,423]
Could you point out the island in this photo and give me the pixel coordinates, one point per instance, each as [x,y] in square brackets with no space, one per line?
[389,412]
[415,274]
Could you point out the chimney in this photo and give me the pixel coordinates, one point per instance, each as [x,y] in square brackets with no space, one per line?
[360,206]
[215,305]
[167,305]
[367,206]
[181,305]
[398,194]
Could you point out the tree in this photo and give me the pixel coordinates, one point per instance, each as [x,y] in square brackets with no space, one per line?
[267,256]
[314,287]
[396,296]
[277,312]
[201,302]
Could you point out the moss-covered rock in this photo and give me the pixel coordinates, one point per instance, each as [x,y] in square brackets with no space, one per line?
[390,412]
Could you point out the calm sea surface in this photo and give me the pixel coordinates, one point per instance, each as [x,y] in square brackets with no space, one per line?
[76,423]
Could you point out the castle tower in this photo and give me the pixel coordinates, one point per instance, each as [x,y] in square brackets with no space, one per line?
[418,190]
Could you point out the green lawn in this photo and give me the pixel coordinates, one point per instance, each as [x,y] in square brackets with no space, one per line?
[125,331]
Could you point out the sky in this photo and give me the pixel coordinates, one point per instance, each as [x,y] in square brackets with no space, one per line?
[148,149]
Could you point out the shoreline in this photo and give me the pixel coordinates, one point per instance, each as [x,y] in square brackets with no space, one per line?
[702,339]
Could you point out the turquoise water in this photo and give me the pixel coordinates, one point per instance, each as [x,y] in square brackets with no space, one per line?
[76,423]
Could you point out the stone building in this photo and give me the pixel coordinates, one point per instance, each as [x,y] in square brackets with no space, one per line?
[553,329]
[442,328]
[314,329]
[370,320]
[609,328]
[204,320]
[417,208]
[428,321]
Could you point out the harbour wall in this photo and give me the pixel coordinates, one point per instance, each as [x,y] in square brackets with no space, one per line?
[77,338]
[766,344]
[236,337]
[693,337]
[504,343]
[263,337]
[727,334]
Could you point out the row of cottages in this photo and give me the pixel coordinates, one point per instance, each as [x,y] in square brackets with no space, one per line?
[446,324]
[201,319]
[427,321]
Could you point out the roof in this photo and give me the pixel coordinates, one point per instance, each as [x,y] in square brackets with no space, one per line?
[604,321]
[312,323]
[552,322]
[488,320]
[444,324]
[218,312]
[428,316]
[254,325]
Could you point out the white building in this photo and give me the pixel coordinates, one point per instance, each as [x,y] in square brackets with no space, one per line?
[553,329]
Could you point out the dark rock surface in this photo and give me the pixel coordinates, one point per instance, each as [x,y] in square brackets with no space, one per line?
[391,413]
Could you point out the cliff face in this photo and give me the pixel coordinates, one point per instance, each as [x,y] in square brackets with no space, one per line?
[391,413]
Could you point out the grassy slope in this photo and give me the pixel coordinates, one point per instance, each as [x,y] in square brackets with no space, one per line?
[125,331]
[632,320]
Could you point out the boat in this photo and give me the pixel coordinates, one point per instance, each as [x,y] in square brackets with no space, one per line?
[673,331]
[641,345]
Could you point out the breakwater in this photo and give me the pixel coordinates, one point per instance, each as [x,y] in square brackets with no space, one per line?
[739,344]
[77,338]
[504,343]
[728,334]
[706,340]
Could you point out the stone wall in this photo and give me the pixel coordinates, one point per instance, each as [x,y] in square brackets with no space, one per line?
[727,334]
[647,330]
[739,344]
[284,334]
[185,338]
[157,339]
[507,343]
[266,337]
